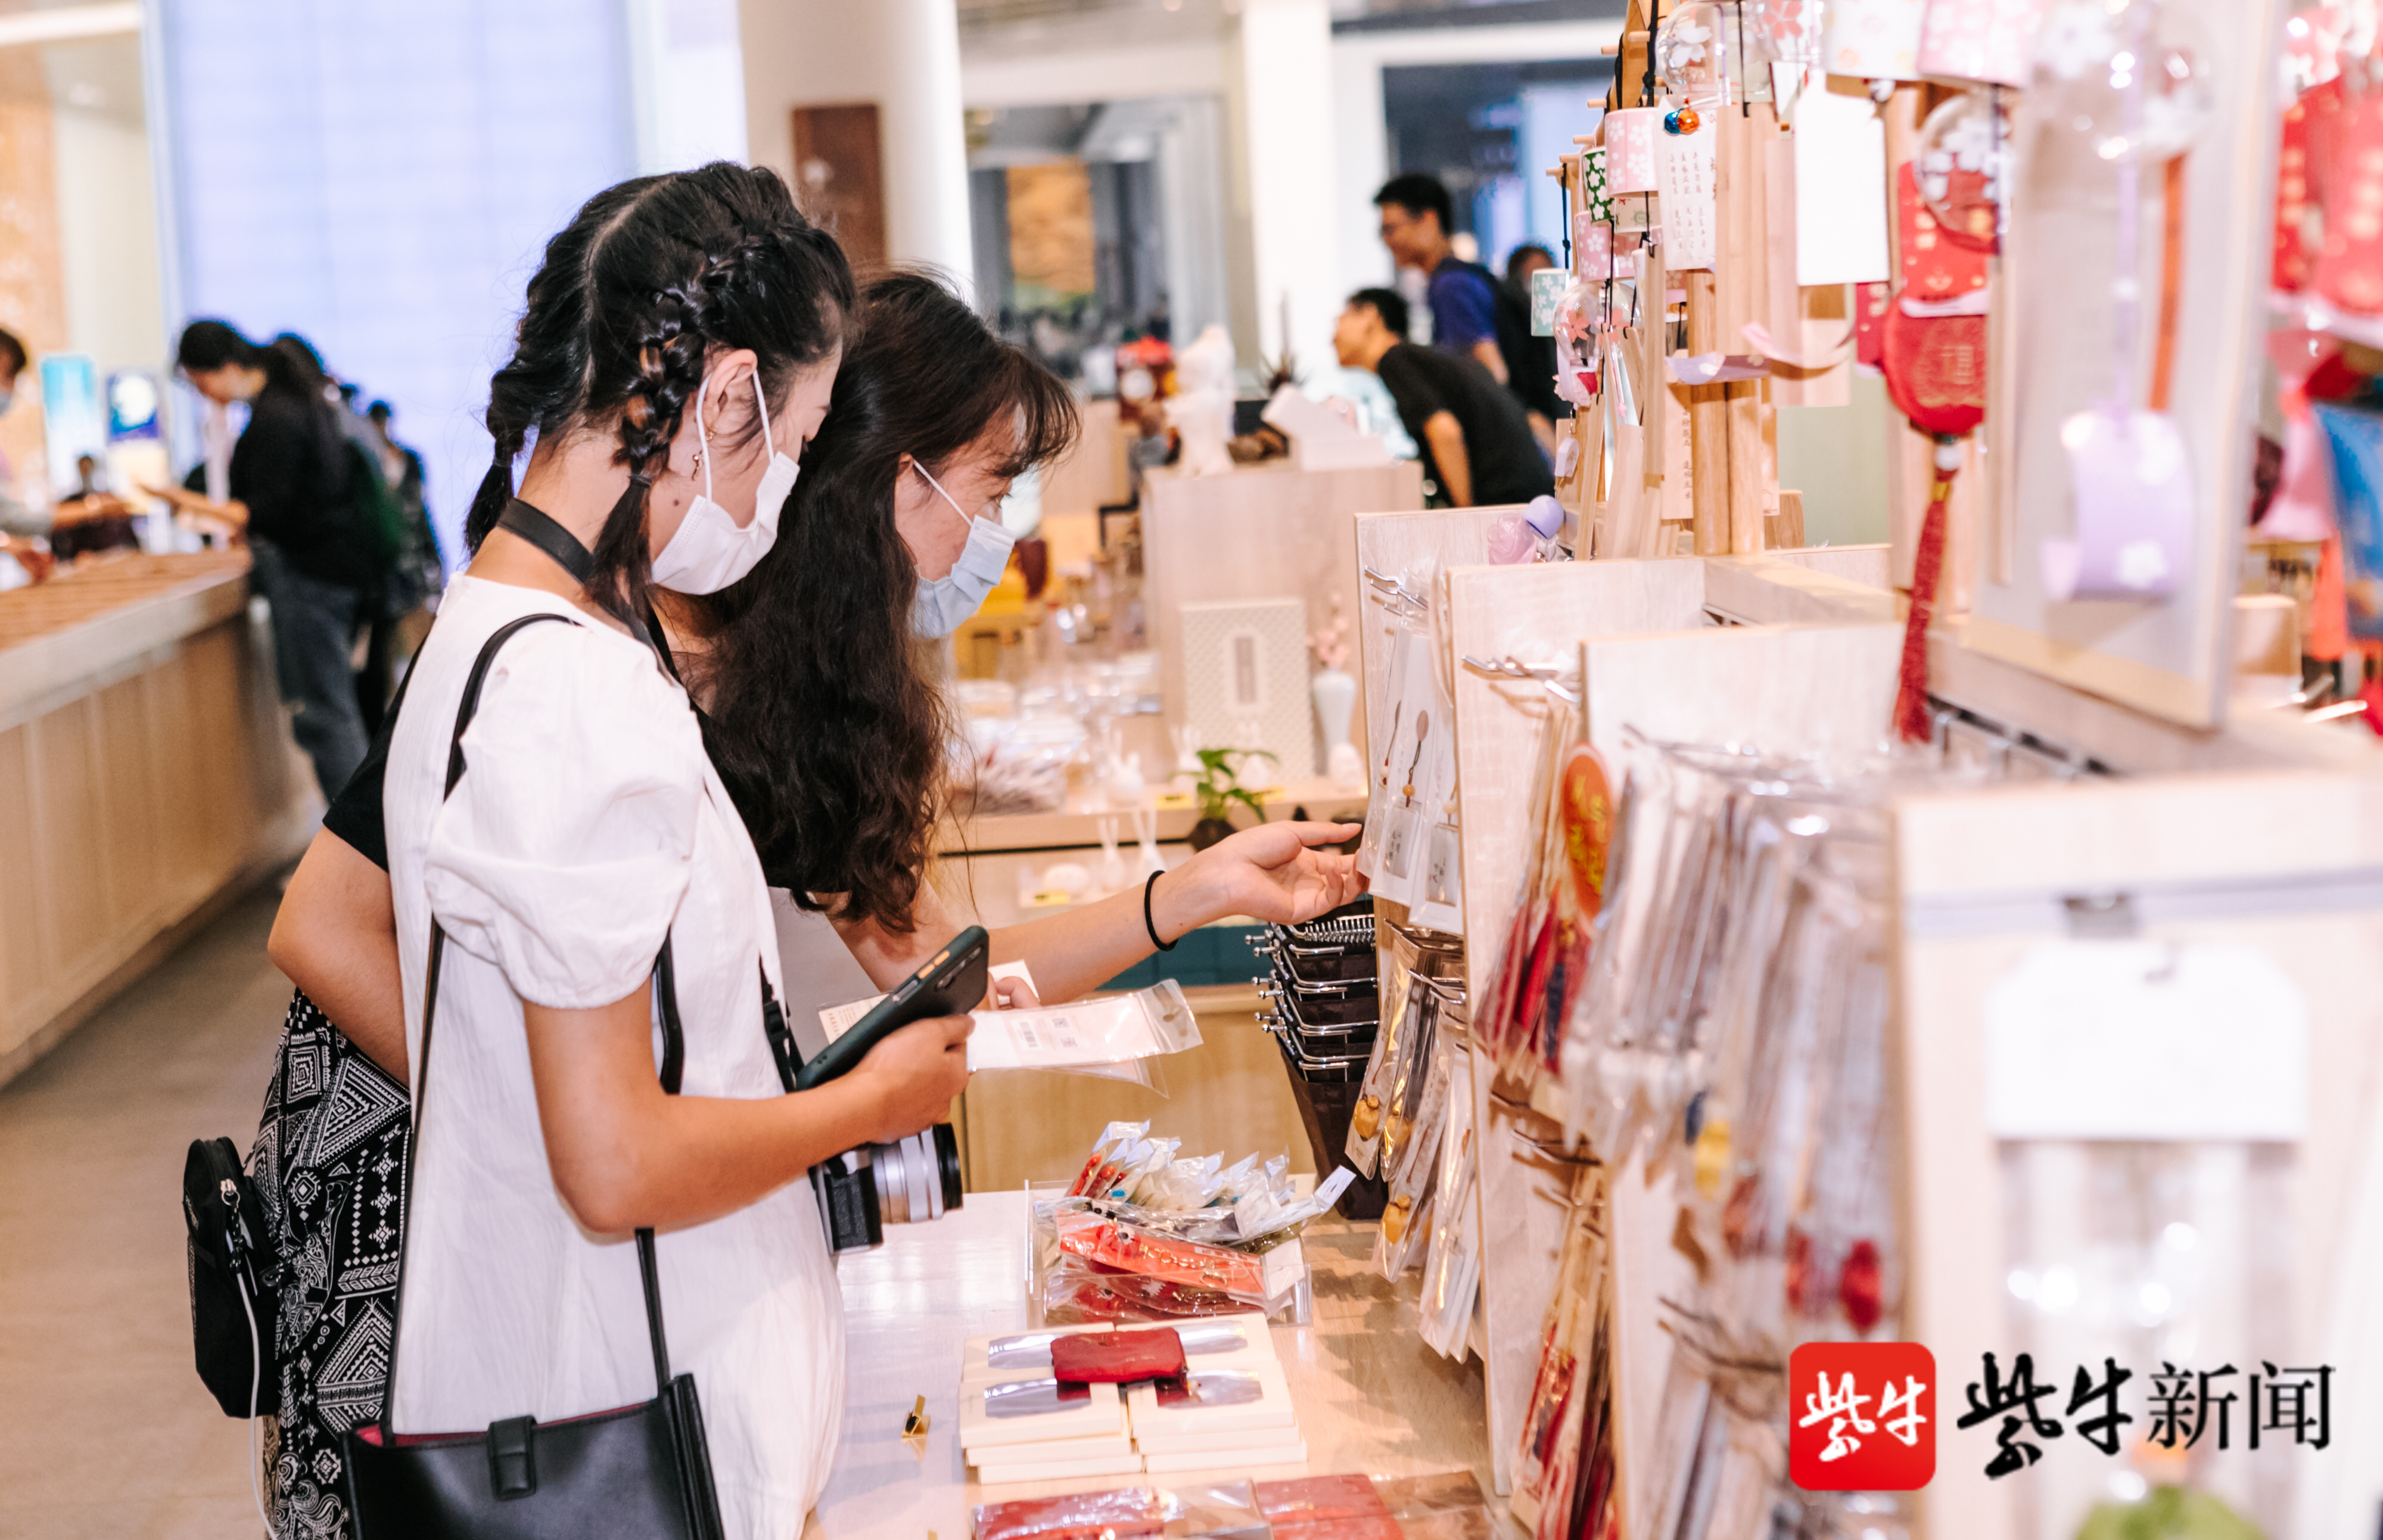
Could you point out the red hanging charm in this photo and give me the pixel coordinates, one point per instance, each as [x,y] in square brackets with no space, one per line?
[1911,720]
[1860,1287]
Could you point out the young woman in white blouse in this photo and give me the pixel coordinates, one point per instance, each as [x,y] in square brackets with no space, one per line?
[816,705]
[677,349]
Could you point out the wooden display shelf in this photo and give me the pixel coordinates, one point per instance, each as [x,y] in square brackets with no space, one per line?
[1262,532]
[105,614]
[147,772]
[1077,826]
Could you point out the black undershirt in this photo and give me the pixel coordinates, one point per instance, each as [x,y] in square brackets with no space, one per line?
[355,814]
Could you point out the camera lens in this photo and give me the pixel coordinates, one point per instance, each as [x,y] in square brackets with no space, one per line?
[889,1164]
[947,1163]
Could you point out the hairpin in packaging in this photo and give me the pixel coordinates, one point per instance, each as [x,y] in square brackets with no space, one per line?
[1451,1271]
[1560,1436]
[1412,1169]
[1405,997]
[1105,1167]
[1411,1071]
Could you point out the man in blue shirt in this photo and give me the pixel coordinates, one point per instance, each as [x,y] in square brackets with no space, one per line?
[1415,216]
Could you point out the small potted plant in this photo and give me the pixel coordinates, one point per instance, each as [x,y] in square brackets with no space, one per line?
[1218,786]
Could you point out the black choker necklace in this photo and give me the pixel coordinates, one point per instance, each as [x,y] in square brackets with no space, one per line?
[539,528]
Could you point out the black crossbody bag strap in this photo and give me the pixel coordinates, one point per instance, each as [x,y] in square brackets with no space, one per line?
[673,1059]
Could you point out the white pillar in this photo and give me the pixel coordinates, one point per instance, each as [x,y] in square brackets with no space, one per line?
[1282,71]
[902,55]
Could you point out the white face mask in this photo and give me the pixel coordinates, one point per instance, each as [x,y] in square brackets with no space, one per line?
[709,551]
[945,602]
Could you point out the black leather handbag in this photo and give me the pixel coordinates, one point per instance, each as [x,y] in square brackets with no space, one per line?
[234,1303]
[638,1472]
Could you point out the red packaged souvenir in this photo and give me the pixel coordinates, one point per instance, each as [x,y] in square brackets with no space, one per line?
[1128,1513]
[1109,1244]
[1114,1358]
[1326,1507]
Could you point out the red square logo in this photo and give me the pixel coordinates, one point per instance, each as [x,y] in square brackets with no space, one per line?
[1861,1416]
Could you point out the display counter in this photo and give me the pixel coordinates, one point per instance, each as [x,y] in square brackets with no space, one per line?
[1371,1398]
[145,773]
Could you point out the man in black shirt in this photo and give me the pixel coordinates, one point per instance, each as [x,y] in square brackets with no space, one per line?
[1478,446]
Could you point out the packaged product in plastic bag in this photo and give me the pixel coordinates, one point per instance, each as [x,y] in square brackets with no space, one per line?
[1227,1511]
[1325,1507]
[1192,1184]
[1445,1507]
[1104,1166]
[1383,1071]
[1452,1269]
[1124,1248]
[1130,1513]
[1414,1175]
[1110,1030]
[1256,1219]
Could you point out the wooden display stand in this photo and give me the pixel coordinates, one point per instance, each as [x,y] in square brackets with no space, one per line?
[1778,651]
[2051,353]
[1542,613]
[1262,532]
[147,773]
[1653,659]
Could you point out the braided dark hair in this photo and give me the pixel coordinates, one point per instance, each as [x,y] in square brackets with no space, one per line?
[643,281]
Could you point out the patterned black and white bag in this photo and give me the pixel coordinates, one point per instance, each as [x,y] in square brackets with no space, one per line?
[329,1168]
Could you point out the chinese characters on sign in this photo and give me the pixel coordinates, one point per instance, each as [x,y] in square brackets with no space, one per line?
[1862,1414]
[2185,1406]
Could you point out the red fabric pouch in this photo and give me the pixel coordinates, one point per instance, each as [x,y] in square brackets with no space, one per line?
[1113,1358]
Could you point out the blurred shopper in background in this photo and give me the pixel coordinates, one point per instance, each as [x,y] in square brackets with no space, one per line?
[33,536]
[293,485]
[416,574]
[226,369]
[1534,372]
[421,569]
[90,518]
[1471,317]
[1476,445]
[20,526]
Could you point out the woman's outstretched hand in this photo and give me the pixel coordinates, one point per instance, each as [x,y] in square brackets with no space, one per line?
[1275,873]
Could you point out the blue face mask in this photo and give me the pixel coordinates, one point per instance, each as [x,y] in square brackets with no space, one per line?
[7,399]
[944,602]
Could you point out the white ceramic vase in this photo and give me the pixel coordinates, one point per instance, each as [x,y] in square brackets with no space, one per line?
[1336,702]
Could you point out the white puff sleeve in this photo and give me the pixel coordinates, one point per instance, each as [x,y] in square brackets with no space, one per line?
[563,852]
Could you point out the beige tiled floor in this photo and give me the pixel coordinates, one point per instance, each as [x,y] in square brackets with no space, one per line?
[105,1429]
